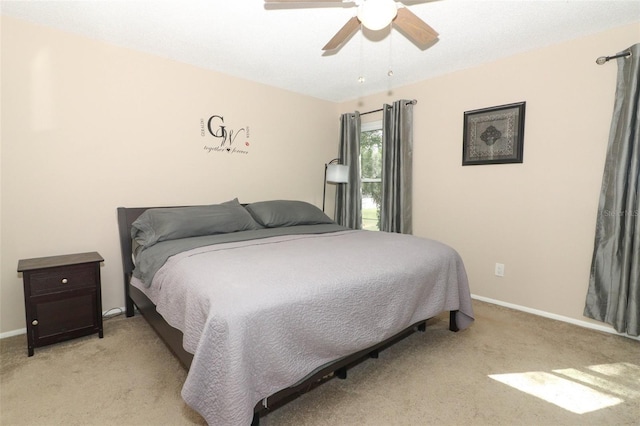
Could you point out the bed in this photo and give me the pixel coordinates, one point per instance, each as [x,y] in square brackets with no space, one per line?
[264,301]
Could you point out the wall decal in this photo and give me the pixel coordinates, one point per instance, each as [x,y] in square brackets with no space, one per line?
[224,140]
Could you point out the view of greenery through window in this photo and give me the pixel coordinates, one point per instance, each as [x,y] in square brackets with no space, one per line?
[371,174]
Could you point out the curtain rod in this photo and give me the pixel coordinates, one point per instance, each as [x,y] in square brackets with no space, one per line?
[604,59]
[411,102]
[371,112]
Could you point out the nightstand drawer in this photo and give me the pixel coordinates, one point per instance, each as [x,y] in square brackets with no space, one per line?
[64,278]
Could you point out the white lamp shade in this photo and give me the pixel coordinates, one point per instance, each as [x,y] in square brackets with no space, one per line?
[377,14]
[337,173]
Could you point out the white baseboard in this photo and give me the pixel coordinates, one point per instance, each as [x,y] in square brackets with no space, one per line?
[24,330]
[13,333]
[538,312]
[545,314]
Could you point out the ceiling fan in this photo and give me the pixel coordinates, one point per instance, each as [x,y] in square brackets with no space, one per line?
[376,15]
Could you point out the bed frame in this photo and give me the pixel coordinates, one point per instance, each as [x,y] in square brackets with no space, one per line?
[172,337]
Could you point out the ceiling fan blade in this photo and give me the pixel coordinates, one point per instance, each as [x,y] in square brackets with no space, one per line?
[414,28]
[345,32]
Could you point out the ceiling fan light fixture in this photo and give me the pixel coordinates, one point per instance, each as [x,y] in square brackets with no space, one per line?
[377,14]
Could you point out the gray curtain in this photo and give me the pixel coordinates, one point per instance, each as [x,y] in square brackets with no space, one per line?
[614,284]
[349,196]
[397,153]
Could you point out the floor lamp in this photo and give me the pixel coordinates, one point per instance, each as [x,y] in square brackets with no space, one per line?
[334,173]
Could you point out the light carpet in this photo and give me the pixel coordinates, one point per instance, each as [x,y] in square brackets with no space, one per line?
[508,368]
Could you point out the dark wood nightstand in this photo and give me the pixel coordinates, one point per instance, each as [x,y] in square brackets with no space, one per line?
[62,297]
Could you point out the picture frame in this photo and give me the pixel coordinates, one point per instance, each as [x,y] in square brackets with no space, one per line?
[494,135]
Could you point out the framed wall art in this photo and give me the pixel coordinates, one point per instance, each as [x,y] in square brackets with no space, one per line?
[493,135]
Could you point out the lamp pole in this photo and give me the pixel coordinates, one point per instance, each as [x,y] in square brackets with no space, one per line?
[324,191]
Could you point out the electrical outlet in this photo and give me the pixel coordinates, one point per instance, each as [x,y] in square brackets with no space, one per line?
[499,269]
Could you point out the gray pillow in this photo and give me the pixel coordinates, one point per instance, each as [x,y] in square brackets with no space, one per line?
[171,223]
[276,213]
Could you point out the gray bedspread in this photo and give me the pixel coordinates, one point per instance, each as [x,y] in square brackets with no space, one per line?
[260,315]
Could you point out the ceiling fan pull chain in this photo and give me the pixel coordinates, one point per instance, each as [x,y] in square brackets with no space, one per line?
[390,72]
[361,79]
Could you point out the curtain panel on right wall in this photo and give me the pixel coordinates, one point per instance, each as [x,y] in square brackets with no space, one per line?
[614,284]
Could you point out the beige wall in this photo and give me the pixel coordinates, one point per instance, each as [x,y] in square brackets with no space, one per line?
[537,218]
[1,223]
[88,127]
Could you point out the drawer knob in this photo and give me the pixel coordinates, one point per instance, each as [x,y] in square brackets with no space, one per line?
[34,322]
[64,281]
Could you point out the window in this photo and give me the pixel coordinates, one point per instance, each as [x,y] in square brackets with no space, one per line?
[371,173]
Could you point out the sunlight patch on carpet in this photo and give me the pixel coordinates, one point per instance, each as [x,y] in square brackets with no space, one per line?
[622,382]
[579,391]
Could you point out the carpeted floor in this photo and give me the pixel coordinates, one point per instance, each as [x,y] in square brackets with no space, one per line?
[565,375]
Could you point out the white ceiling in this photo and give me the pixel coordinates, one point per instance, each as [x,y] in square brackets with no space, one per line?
[281,46]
